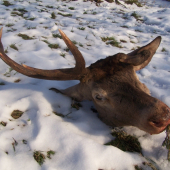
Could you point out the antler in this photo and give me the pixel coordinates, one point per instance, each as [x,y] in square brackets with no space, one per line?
[57,74]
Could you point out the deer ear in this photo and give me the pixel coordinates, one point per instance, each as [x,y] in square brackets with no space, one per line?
[142,56]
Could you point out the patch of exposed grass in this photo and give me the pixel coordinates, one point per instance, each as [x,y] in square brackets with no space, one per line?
[9,25]
[80,44]
[125,142]
[49,153]
[17,80]
[39,157]
[94,13]
[31,19]
[24,141]
[164,50]
[58,114]
[16,114]
[14,47]
[91,27]
[57,36]
[6,3]
[48,6]
[123,41]
[29,28]
[46,41]
[8,74]
[71,8]
[82,28]
[166,142]
[53,16]
[25,37]
[15,13]
[133,2]
[6,50]
[74,42]
[65,15]
[3,123]
[14,144]
[55,46]
[104,39]
[62,54]
[76,105]
[112,41]
[135,15]
[23,10]
[124,26]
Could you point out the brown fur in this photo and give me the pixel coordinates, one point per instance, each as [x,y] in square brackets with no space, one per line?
[112,84]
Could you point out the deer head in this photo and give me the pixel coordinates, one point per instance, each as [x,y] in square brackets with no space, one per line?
[112,84]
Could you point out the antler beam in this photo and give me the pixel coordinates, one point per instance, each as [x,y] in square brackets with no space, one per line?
[57,74]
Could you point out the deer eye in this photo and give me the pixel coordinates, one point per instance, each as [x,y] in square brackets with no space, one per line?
[98,97]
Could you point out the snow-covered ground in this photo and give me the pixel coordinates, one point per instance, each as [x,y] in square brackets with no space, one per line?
[78,138]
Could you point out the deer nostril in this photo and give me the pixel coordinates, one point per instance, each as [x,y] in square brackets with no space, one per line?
[156,123]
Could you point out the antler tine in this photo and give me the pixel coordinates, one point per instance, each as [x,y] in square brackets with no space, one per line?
[80,63]
[57,74]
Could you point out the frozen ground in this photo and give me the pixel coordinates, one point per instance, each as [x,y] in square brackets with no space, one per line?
[78,138]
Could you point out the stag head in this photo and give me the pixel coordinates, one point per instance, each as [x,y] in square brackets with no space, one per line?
[112,84]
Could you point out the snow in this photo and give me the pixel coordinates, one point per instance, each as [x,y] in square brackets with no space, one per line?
[78,139]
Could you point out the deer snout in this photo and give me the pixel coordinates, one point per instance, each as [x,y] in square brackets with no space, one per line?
[161,119]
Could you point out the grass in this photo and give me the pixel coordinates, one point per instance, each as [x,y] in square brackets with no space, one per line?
[14,47]
[94,13]
[53,16]
[57,36]
[9,25]
[166,142]
[49,153]
[65,15]
[164,50]
[112,41]
[16,114]
[91,27]
[7,74]
[14,13]
[123,41]
[31,19]
[6,50]
[55,46]
[23,10]
[81,28]
[71,8]
[74,42]
[133,2]
[135,15]
[76,105]
[17,80]
[3,123]
[58,114]
[125,142]
[48,6]
[39,157]
[6,3]
[25,37]
[62,54]
[80,44]
[24,141]
[29,28]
